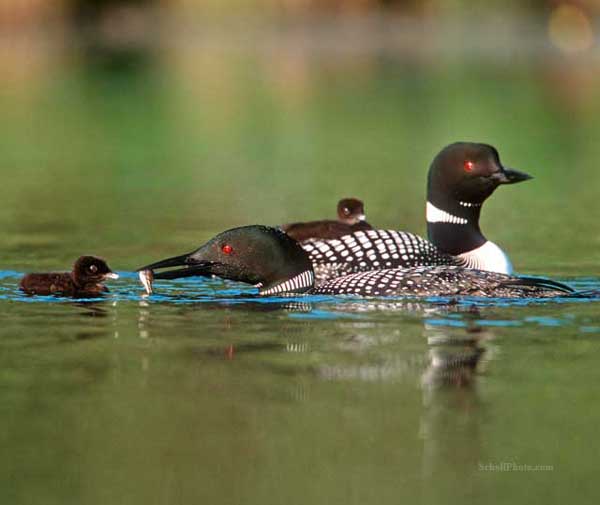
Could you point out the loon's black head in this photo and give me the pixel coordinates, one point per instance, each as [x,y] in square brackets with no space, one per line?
[350,211]
[461,177]
[259,255]
[468,172]
[91,270]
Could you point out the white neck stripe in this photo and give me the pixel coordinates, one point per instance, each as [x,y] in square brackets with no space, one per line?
[470,204]
[435,215]
[302,281]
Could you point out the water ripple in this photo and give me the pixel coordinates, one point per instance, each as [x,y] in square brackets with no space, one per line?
[191,291]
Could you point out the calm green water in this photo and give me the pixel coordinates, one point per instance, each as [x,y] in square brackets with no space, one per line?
[198,395]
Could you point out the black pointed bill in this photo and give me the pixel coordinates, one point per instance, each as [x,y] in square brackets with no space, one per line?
[190,269]
[511,176]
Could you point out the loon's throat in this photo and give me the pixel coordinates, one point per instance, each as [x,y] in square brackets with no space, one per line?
[297,284]
[454,228]
[488,257]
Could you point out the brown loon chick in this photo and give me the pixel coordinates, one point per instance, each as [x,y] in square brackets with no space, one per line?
[351,218]
[84,281]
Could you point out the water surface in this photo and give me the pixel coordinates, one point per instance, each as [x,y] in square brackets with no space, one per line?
[204,392]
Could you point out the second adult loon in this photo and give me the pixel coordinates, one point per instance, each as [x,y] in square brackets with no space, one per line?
[276,264]
[461,177]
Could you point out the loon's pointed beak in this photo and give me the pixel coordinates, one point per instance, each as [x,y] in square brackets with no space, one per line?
[511,176]
[192,268]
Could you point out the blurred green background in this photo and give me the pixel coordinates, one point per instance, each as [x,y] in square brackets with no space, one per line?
[135,129]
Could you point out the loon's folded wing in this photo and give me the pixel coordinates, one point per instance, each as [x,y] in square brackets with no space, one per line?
[539,283]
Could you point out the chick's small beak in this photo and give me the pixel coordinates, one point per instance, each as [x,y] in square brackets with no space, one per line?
[111,275]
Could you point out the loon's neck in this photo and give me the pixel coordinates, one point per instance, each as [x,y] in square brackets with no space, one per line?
[488,257]
[453,226]
[299,283]
[456,231]
[75,279]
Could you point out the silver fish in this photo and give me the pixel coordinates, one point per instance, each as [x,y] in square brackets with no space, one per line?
[146,278]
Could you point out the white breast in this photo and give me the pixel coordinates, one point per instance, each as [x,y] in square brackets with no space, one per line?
[488,257]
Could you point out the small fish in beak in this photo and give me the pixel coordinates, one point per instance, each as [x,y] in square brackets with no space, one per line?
[146,278]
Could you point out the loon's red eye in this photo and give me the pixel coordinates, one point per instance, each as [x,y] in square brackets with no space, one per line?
[469,165]
[227,249]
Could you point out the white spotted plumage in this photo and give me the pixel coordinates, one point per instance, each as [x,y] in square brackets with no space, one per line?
[373,249]
[437,281]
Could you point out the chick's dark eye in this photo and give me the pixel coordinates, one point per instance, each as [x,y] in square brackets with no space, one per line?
[469,166]
[227,249]
[93,268]
[346,211]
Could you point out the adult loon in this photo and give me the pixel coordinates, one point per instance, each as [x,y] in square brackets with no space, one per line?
[461,177]
[84,281]
[351,218]
[276,264]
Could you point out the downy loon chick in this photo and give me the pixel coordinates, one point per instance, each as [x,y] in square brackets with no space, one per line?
[276,264]
[461,177]
[89,272]
[351,218]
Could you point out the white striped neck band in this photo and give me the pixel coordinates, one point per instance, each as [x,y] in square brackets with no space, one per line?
[470,204]
[435,215]
[299,283]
